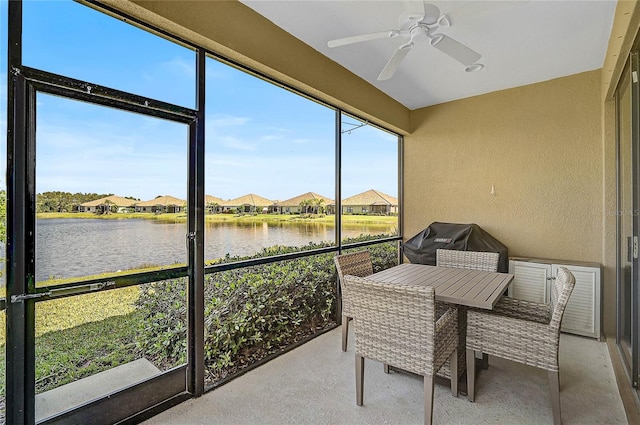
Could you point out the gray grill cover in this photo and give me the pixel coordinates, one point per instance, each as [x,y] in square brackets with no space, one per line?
[421,249]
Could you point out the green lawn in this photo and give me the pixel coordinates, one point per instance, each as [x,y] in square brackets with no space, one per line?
[115,216]
[231,218]
[68,355]
[66,313]
[80,336]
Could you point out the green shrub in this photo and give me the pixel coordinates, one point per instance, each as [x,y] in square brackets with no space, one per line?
[163,333]
[383,255]
[249,312]
[256,311]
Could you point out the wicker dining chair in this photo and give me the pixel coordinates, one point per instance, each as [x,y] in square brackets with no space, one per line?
[524,332]
[355,264]
[395,323]
[473,260]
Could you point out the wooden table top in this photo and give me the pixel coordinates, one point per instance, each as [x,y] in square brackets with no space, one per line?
[472,288]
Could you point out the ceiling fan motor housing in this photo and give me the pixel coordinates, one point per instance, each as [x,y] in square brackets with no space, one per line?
[419,33]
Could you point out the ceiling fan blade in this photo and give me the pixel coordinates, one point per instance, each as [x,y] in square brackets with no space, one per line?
[391,66]
[456,50]
[431,13]
[359,38]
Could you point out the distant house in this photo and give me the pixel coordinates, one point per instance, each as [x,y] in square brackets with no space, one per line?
[162,204]
[248,204]
[309,202]
[108,204]
[370,202]
[212,203]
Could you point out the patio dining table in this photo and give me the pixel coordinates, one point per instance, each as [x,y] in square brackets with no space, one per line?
[471,288]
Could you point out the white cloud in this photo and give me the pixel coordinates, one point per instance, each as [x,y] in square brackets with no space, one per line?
[271,138]
[213,160]
[140,159]
[219,121]
[179,65]
[275,177]
[235,143]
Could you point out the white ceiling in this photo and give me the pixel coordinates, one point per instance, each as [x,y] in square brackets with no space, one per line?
[521,42]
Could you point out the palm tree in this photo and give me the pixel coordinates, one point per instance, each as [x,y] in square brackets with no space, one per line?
[318,206]
[212,207]
[108,207]
[304,205]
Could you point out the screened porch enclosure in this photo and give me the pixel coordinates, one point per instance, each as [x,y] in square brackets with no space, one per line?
[147,265]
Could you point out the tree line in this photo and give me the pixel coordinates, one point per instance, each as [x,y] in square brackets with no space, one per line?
[48,202]
[66,202]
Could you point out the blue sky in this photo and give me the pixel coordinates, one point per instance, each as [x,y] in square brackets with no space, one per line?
[259,138]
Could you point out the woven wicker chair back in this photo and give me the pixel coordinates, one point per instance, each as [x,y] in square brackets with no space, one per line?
[474,260]
[470,260]
[394,323]
[561,290]
[354,264]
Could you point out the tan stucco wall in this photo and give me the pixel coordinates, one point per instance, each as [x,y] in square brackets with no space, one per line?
[540,146]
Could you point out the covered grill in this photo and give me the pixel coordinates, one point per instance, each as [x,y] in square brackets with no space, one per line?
[421,249]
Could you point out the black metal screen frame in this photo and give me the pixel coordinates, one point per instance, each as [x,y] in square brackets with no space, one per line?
[23,85]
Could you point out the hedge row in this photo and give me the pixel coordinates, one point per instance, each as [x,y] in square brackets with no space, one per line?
[249,312]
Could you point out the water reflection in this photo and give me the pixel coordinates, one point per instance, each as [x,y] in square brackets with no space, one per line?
[80,247]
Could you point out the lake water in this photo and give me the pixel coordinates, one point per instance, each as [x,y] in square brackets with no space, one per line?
[80,247]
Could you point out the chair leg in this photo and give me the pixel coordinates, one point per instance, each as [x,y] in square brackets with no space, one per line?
[485,361]
[359,379]
[386,368]
[453,369]
[428,399]
[471,374]
[554,386]
[345,331]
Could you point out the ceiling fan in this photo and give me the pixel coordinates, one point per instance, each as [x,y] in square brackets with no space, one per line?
[418,27]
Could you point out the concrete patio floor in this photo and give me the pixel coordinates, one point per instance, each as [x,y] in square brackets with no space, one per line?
[315,384]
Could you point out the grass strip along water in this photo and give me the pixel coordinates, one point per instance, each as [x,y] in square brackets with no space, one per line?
[230,218]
